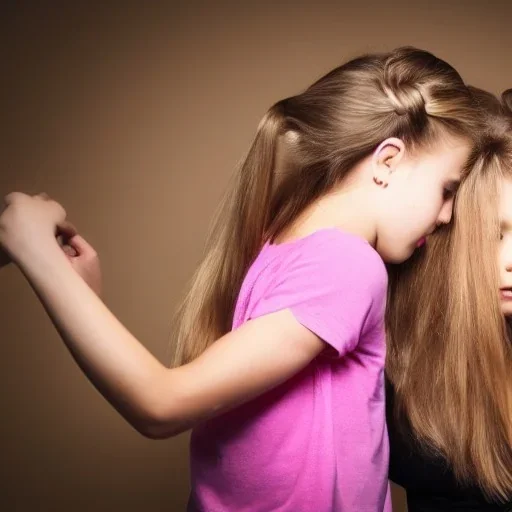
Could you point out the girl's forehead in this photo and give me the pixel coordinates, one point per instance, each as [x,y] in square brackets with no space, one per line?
[506,189]
[506,202]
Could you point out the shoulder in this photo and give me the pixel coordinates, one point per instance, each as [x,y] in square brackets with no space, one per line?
[341,257]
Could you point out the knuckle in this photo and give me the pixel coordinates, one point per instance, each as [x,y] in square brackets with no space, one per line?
[12,197]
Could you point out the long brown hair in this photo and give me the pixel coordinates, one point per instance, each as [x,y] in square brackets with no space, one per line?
[449,355]
[338,121]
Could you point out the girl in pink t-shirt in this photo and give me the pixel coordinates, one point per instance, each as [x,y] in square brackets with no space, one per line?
[281,349]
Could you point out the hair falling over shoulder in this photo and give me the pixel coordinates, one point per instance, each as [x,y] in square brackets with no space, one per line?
[449,350]
[336,122]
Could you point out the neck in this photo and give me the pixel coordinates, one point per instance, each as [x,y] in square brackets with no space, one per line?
[347,209]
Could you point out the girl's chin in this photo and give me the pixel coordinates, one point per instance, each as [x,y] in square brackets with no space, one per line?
[506,309]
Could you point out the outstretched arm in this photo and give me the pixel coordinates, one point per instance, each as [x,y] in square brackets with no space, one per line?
[161,402]
[157,401]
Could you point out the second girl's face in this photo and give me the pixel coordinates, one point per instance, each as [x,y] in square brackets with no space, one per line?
[420,197]
[505,248]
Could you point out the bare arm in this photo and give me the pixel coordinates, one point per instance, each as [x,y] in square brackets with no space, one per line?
[161,402]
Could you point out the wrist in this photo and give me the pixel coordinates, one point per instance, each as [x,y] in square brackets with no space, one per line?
[38,258]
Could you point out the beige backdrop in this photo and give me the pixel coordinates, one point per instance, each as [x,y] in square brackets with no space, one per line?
[134,118]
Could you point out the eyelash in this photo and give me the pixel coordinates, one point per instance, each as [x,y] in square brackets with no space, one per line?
[447,193]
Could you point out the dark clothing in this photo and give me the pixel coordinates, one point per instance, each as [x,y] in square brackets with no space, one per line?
[430,484]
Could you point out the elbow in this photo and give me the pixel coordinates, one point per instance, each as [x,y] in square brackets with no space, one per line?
[156,431]
[164,414]
[153,433]
[159,426]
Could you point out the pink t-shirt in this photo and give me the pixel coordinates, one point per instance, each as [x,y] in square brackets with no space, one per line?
[317,443]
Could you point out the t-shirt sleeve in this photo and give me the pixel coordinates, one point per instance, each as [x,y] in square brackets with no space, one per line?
[335,287]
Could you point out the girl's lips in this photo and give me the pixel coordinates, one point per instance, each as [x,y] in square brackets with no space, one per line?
[421,242]
[506,293]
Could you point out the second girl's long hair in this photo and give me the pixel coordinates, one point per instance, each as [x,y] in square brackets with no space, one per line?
[449,354]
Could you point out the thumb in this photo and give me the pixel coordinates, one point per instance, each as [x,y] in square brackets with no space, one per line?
[80,245]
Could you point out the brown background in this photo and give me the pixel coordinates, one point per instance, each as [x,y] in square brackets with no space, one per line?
[133,118]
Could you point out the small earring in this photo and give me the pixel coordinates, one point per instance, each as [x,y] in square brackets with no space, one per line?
[380,183]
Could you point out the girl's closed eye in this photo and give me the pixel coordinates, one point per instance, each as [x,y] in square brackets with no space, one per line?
[448,193]
[450,190]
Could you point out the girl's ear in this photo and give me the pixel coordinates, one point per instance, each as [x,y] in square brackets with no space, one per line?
[386,158]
